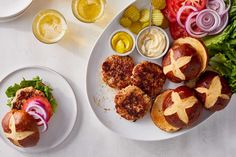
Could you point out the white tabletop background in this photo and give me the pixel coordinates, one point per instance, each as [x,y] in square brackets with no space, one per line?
[89,138]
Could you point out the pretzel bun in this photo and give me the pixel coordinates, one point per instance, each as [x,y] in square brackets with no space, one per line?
[20,128]
[186,60]
[213,91]
[181,108]
[158,116]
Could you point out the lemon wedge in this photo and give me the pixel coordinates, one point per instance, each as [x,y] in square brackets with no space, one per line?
[88,10]
[49,26]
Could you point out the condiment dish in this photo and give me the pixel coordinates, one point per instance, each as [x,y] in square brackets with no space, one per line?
[165,49]
[133,39]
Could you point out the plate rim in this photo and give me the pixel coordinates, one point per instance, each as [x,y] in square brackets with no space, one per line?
[18,12]
[76,107]
[16,16]
[108,128]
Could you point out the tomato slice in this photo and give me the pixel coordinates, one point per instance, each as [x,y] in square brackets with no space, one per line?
[199,4]
[177,31]
[42,100]
[169,15]
[173,7]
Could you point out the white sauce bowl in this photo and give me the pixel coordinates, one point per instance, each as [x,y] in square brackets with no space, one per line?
[167,43]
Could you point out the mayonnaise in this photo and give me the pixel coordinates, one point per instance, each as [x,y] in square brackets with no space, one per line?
[152,44]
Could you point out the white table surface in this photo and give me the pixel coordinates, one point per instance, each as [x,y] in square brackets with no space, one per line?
[89,138]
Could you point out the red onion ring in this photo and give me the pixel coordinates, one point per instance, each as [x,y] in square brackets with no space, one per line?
[227,9]
[189,22]
[208,20]
[42,120]
[219,6]
[181,10]
[37,107]
[223,24]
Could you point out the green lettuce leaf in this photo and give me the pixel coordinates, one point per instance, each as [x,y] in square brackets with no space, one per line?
[38,84]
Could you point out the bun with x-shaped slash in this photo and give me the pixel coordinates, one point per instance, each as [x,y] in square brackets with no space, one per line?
[213,91]
[20,128]
[185,60]
[181,108]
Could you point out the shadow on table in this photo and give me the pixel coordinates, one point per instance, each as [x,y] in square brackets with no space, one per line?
[79,37]
[74,38]
[108,16]
[215,137]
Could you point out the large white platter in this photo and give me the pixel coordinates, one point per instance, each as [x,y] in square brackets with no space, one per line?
[101,97]
[62,122]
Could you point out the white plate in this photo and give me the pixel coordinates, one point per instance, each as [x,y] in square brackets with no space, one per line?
[9,8]
[101,97]
[8,19]
[62,122]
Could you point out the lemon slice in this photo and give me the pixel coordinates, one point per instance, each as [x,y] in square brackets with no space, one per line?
[88,10]
[49,26]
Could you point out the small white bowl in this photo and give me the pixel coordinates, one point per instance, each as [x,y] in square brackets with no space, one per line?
[132,36]
[167,43]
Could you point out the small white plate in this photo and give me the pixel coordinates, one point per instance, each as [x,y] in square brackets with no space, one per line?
[8,19]
[9,8]
[101,97]
[62,121]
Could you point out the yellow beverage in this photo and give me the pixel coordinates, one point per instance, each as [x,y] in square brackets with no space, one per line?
[88,11]
[49,26]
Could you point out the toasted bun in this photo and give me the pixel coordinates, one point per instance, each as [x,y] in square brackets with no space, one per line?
[213,91]
[181,107]
[20,128]
[158,116]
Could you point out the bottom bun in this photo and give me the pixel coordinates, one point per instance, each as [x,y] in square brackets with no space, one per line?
[158,116]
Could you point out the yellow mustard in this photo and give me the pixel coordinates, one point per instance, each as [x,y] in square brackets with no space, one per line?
[122,42]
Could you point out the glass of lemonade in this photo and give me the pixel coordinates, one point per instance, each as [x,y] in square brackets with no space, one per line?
[49,26]
[88,11]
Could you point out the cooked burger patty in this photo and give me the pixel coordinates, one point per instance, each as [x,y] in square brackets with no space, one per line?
[23,94]
[117,70]
[149,77]
[132,103]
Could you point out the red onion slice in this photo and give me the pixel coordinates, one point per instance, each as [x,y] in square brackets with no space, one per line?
[227,9]
[188,25]
[42,120]
[181,10]
[219,6]
[208,20]
[223,24]
[37,107]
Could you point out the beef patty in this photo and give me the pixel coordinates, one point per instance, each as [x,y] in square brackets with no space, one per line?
[149,77]
[132,103]
[23,94]
[117,70]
